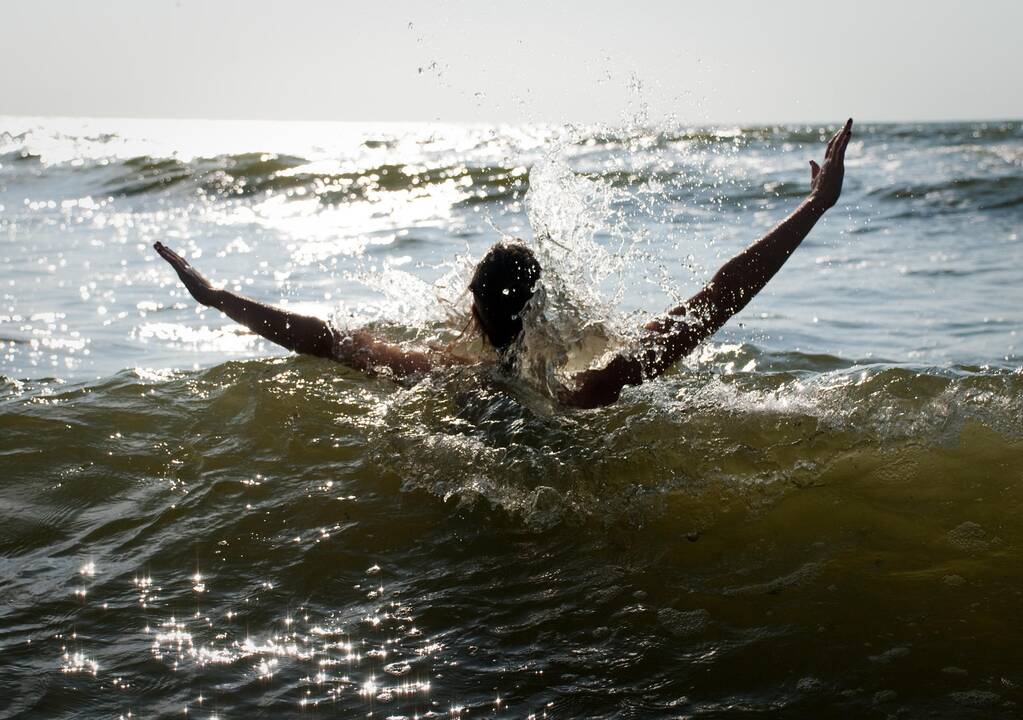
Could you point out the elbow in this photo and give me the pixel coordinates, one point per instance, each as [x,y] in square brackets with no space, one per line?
[589,399]
[318,344]
[603,387]
[322,347]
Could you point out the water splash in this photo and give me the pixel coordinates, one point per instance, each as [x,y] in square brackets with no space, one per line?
[573,320]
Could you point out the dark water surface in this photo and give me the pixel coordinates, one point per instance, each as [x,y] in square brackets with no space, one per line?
[817,516]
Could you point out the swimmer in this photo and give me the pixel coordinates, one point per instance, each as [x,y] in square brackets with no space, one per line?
[503,284]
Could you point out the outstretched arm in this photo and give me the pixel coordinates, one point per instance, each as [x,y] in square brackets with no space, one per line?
[301,333]
[670,338]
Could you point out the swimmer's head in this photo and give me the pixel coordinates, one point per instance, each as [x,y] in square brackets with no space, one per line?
[501,286]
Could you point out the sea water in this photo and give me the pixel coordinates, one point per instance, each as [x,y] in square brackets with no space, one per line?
[816,514]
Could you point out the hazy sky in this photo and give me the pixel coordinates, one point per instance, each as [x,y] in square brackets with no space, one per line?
[540,61]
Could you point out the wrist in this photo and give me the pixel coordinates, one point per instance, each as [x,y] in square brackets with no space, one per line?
[815,205]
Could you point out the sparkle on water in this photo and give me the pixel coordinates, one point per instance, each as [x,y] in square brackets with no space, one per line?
[216,538]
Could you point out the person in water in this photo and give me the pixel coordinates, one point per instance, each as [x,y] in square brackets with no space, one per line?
[503,284]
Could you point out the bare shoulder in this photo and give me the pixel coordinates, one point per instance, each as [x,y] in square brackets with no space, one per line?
[359,349]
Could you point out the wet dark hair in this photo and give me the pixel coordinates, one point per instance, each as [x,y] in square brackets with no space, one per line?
[501,286]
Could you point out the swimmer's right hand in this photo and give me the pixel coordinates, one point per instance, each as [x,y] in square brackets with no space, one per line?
[195,283]
[826,179]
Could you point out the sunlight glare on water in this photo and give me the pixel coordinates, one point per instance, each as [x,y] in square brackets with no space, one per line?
[196,524]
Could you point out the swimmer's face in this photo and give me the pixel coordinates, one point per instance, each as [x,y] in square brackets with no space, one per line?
[501,286]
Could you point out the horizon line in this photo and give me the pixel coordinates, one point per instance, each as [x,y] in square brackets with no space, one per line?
[757,123]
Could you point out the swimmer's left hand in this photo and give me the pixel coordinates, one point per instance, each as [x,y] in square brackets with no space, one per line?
[197,285]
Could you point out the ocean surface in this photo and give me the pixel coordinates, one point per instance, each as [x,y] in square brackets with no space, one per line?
[816,515]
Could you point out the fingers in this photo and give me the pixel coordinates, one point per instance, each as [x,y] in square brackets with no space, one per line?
[815,170]
[844,142]
[839,139]
[162,250]
[831,144]
[840,150]
[169,255]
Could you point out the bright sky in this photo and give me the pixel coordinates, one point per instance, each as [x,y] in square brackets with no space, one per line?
[740,61]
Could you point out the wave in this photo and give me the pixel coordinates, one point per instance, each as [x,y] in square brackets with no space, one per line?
[257,175]
[471,436]
[485,176]
[264,174]
[803,134]
[198,527]
[254,175]
[959,194]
